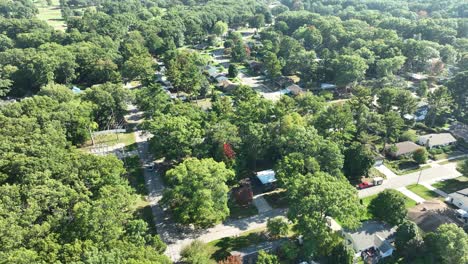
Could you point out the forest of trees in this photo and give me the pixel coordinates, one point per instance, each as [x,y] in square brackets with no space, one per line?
[62,205]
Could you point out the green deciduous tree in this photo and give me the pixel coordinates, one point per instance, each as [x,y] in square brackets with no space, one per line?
[458,87]
[407,239]
[265,258]
[196,253]
[349,69]
[448,244]
[220,28]
[420,156]
[314,197]
[358,160]
[233,71]
[198,192]
[272,65]
[277,227]
[175,136]
[185,72]
[440,103]
[389,206]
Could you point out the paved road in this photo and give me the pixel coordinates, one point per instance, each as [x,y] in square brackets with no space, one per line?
[446,171]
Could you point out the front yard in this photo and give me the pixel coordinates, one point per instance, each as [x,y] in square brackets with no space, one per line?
[452,185]
[423,192]
[238,211]
[366,202]
[222,248]
[405,166]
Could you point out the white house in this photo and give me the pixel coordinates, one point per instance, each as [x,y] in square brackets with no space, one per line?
[459,199]
[436,140]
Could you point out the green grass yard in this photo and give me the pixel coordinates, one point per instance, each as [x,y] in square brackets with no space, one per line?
[51,14]
[112,139]
[423,192]
[409,203]
[452,185]
[221,248]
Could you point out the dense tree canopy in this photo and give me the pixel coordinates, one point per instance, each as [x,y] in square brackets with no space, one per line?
[198,192]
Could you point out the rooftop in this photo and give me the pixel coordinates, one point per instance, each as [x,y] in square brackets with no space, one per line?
[405,147]
[461,195]
[266,176]
[371,234]
[459,130]
[437,139]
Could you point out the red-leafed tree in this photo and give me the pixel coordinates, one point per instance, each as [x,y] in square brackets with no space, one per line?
[228,151]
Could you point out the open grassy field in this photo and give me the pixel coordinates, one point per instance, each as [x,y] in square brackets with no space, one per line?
[51,14]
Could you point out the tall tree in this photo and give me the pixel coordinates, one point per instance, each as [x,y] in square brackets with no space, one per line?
[349,69]
[314,197]
[358,160]
[389,206]
[448,244]
[185,72]
[440,102]
[175,136]
[198,192]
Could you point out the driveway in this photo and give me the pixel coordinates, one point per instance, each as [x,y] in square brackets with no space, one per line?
[446,171]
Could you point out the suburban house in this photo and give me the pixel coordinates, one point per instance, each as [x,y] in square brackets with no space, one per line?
[267,179]
[372,241]
[459,199]
[401,149]
[212,71]
[459,130]
[416,77]
[436,140]
[295,89]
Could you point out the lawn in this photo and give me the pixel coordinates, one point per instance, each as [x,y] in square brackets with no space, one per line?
[452,185]
[423,191]
[277,199]
[222,248]
[112,139]
[143,211]
[405,166]
[409,203]
[51,14]
[238,211]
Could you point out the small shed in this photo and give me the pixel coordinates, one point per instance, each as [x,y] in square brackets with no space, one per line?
[327,86]
[267,179]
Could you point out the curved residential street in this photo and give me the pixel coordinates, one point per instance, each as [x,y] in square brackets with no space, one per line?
[176,236]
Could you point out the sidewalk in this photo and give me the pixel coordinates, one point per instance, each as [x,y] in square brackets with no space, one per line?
[418,199]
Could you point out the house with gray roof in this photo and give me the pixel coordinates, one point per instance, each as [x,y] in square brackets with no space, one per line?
[404,148]
[372,241]
[436,140]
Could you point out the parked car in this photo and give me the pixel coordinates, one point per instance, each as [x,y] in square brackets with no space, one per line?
[375,181]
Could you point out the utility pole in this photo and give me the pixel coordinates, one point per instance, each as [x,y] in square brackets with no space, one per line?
[419,177]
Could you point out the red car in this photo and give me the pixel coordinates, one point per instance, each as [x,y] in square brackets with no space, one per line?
[364,185]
